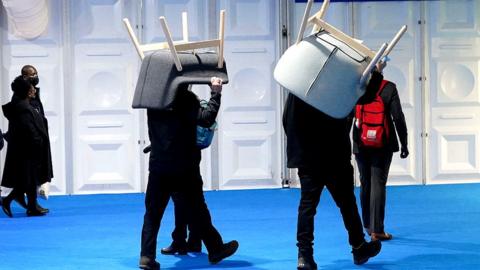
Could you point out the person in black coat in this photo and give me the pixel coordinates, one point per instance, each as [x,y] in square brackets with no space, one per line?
[26,150]
[30,73]
[174,166]
[319,146]
[374,163]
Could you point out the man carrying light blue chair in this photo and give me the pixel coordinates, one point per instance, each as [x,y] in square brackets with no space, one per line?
[326,74]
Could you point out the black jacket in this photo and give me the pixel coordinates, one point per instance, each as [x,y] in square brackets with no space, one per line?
[173,132]
[26,162]
[314,138]
[395,120]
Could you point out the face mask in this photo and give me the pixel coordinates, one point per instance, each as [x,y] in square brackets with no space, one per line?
[34,80]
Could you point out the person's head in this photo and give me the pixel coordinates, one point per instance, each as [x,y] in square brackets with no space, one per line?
[30,73]
[23,88]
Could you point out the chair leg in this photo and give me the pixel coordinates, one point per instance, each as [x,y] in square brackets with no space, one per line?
[171,45]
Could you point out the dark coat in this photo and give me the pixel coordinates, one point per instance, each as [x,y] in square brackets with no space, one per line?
[37,104]
[2,143]
[314,138]
[395,120]
[25,163]
[173,132]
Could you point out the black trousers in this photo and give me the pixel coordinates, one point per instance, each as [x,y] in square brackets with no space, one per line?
[339,181]
[188,186]
[374,167]
[179,234]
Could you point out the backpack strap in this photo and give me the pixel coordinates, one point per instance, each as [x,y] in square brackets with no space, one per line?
[385,122]
[382,85]
[359,108]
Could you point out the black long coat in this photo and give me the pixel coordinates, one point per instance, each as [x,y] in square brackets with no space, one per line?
[27,158]
[36,102]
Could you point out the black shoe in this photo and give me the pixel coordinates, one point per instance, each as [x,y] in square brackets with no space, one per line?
[34,213]
[20,199]
[174,248]
[227,250]
[41,209]
[6,206]
[306,263]
[148,263]
[366,251]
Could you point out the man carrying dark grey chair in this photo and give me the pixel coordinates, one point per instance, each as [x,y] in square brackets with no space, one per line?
[175,168]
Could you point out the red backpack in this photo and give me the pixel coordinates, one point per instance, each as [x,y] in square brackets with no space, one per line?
[372,122]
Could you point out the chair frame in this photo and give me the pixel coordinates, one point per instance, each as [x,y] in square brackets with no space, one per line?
[181,45]
[319,23]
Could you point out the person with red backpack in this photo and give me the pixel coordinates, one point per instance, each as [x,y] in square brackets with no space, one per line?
[378,120]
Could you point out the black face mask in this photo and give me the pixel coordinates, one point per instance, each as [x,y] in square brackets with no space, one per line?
[34,80]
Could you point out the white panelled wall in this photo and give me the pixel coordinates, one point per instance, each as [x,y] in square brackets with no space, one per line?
[88,69]
[47,53]
[105,129]
[436,69]
[249,134]
[453,102]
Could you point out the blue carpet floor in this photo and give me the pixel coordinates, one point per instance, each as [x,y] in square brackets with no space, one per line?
[434,227]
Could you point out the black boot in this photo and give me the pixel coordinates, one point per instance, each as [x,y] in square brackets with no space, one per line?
[306,262]
[41,209]
[34,213]
[174,248]
[148,263]
[225,251]
[32,210]
[365,251]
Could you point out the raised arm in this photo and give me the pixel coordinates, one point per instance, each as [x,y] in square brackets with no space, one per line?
[208,114]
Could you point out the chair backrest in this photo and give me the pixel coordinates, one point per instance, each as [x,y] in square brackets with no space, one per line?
[328,69]
[182,45]
[319,23]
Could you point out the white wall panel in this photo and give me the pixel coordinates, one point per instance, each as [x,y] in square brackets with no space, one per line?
[88,70]
[105,128]
[249,131]
[338,15]
[453,33]
[46,54]
[197,12]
